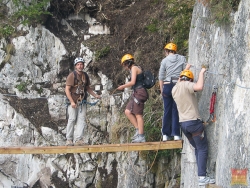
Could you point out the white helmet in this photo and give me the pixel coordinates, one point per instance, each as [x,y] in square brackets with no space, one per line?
[78,59]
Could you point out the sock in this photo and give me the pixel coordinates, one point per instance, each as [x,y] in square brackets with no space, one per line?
[201,177]
[141,135]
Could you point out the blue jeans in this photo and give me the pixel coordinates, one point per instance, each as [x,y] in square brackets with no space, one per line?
[170,120]
[194,131]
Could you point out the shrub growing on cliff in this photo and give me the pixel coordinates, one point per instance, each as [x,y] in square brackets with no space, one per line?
[152,27]
[179,14]
[31,12]
[22,86]
[221,9]
[102,53]
[24,12]
[6,30]
[153,123]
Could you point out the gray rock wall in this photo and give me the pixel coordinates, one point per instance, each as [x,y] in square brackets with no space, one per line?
[33,117]
[38,59]
[226,50]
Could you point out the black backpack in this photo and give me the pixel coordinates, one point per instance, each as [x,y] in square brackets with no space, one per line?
[149,79]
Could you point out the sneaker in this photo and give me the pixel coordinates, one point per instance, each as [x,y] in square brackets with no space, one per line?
[177,138]
[165,138]
[69,143]
[139,139]
[79,143]
[206,180]
[135,135]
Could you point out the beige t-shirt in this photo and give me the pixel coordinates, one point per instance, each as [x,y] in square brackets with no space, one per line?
[187,105]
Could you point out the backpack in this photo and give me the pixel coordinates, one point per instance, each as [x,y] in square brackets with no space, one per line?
[149,79]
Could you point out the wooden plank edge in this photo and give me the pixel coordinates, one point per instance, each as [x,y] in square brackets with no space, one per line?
[92,148]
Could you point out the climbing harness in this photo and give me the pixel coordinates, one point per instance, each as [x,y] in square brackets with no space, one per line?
[80,102]
[212,117]
[90,103]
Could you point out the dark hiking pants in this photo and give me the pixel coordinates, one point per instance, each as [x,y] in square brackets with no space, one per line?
[194,131]
[170,120]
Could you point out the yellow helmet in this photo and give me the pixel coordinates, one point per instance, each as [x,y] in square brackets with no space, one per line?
[127,57]
[187,73]
[171,46]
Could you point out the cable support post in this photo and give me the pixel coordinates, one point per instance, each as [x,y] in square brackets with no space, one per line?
[215,88]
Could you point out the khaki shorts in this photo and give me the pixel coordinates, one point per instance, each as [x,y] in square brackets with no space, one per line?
[137,100]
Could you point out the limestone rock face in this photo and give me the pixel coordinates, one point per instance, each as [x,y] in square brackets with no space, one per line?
[33,71]
[226,50]
[33,113]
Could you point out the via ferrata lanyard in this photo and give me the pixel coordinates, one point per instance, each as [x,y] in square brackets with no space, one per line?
[212,116]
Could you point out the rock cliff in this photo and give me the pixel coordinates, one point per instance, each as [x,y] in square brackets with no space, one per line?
[225,49]
[35,61]
[33,69]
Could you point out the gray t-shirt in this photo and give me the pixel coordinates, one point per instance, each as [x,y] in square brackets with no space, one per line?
[187,105]
[171,66]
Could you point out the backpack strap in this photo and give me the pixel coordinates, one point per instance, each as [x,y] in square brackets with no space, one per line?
[139,79]
[86,80]
[77,81]
[86,76]
[75,78]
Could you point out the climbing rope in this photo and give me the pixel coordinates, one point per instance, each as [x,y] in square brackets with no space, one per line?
[219,74]
[113,91]
[130,161]
[212,117]
[204,66]
[12,95]
[143,174]
[85,101]
[82,101]
[89,103]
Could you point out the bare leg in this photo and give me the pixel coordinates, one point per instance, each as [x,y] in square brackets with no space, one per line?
[140,123]
[131,118]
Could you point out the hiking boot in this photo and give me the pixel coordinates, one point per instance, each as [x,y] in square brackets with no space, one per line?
[165,138]
[135,135]
[206,180]
[139,139]
[177,138]
[69,143]
[79,143]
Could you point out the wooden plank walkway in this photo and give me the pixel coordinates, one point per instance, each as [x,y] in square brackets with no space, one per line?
[92,148]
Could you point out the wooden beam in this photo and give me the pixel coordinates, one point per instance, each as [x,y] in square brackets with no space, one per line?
[92,148]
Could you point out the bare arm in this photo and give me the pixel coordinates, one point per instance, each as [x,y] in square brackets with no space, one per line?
[198,86]
[188,66]
[135,70]
[161,75]
[91,92]
[161,85]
